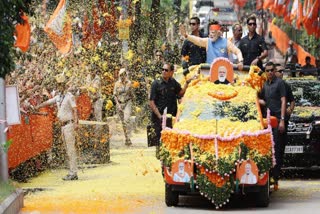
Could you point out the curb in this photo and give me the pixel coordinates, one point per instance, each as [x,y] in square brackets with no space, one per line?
[13,203]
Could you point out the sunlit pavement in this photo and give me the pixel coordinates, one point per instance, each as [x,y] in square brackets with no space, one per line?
[130,183]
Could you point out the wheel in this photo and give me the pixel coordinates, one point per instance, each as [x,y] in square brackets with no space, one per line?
[172,198]
[264,195]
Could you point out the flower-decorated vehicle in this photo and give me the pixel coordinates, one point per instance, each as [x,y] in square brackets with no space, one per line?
[303,148]
[219,144]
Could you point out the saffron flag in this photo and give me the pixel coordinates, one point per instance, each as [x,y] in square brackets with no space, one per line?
[311,21]
[287,13]
[259,5]
[268,4]
[59,28]
[23,34]
[241,3]
[279,7]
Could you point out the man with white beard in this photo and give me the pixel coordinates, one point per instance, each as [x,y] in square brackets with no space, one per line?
[248,177]
[181,175]
[222,76]
[216,45]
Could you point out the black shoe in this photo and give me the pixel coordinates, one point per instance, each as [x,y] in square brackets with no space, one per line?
[70,177]
[128,142]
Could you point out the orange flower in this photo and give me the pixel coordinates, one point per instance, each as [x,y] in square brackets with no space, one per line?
[135,84]
[214,177]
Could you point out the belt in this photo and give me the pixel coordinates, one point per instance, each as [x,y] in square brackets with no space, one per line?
[63,123]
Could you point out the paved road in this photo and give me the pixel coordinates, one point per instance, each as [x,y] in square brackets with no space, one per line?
[132,183]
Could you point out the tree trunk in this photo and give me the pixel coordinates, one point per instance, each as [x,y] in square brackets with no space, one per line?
[177,11]
[153,31]
[136,28]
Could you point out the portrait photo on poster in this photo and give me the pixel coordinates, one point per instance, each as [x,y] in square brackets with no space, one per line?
[181,171]
[221,71]
[248,172]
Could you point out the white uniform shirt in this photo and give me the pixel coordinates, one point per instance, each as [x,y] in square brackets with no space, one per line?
[65,104]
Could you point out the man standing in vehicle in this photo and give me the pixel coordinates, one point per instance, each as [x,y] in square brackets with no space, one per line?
[196,54]
[253,46]
[273,97]
[164,94]
[291,58]
[237,35]
[216,46]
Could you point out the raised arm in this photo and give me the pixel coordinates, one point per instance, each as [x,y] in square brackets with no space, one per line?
[202,42]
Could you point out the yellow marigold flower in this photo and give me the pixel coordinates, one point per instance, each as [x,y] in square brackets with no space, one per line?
[137,109]
[109,105]
[92,89]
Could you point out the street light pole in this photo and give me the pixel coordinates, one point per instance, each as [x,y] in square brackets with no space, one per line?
[4,176]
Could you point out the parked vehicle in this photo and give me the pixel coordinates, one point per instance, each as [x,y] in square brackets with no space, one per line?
[226,16]
[203,3]
[303,149]
[219,145]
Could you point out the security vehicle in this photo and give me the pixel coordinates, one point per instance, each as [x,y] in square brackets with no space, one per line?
[303,148]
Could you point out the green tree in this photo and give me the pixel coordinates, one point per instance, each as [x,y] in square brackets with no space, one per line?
[10,11]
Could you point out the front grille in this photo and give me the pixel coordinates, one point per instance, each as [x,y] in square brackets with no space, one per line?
[298,127]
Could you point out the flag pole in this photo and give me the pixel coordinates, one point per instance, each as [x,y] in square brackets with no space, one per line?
[4,176]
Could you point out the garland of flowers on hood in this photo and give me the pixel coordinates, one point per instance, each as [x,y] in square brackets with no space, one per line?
[216,156]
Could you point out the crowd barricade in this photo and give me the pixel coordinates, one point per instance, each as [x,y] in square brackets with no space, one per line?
[30,138]
[282,43]
[35,133]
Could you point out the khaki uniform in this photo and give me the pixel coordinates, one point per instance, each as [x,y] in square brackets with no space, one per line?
[65,104]
[123,92]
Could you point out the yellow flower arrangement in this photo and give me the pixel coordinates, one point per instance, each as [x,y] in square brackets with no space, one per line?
[217,126]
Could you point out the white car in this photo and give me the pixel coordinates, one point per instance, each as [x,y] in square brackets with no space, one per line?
[202,13]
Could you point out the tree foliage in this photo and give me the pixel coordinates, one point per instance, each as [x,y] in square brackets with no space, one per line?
[10,11]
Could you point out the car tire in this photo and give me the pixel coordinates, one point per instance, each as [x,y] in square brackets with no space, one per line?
[172,198]
[263,196]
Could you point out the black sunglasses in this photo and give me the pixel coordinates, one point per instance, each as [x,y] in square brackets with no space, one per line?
[192,23]
[269,70]
[252,23]
[164,69]
[158,55]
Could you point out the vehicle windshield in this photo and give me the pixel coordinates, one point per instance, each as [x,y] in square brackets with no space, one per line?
[206,110]
[305,92]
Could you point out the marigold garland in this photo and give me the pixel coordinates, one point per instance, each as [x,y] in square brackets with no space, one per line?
[218,145]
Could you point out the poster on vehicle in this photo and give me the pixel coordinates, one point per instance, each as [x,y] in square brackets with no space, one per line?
[181,171]
[247,172]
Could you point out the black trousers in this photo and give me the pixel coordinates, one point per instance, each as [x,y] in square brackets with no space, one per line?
[280,141]
[154,130]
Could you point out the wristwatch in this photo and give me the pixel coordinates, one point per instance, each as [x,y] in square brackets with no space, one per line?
[282,118]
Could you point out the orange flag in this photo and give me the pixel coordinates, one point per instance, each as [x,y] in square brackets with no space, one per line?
[268,4]
[311,20]
[259,5]
[287,12]
[23,34]
[59,28]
